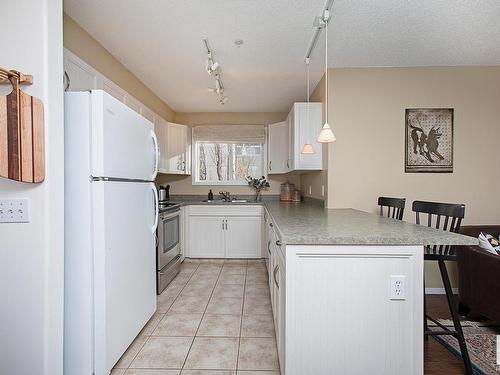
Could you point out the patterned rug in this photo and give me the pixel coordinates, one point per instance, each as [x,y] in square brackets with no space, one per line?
[481,340]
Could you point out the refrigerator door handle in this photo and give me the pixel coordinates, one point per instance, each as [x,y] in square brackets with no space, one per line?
[157,207]
[157,153]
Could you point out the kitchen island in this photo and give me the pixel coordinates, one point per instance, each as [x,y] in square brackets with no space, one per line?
[346,286]
[347,289]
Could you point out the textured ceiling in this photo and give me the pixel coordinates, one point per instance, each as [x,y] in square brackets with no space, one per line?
[160,42]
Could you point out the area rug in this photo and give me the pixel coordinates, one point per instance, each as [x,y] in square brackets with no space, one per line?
[481,338]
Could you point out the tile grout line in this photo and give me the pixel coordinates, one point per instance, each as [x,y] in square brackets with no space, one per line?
[201,320]
[149,336]
[241,319]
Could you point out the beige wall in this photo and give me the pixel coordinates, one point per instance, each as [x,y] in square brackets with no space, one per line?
[367,109]
[317,182]
[229,118]
[81,43]
[183,184]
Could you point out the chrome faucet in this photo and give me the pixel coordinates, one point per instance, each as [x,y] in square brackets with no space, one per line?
[225,195]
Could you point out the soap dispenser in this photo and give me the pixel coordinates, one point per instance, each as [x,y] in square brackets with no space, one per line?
[210,195]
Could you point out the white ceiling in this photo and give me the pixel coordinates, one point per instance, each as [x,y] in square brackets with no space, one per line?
[160,42]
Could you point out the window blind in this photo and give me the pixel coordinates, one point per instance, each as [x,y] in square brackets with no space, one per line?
[230,133]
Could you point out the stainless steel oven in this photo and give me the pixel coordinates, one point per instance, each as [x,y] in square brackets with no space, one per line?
[169,246]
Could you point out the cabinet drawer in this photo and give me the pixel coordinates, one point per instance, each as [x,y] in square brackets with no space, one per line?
[225,210]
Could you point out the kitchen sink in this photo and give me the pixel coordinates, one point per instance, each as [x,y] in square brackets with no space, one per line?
[223,201]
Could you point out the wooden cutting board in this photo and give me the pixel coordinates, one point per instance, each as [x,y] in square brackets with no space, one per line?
[21,136]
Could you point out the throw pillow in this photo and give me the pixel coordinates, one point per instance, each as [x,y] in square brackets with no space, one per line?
[489,243]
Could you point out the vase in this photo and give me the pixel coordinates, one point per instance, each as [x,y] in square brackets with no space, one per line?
[258,197]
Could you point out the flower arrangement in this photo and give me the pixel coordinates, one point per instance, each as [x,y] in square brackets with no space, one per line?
[258,184]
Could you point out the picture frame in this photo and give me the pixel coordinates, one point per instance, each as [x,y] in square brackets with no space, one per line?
[429,140]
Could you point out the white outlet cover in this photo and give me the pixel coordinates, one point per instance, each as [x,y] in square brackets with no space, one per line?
[14,211]
[398,287]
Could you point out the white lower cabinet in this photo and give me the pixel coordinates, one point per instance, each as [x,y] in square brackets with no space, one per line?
[277,288]
[243,236]
[206,237]
[281,301]
[224,232]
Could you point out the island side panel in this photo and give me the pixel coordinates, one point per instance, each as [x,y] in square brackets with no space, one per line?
[339,315]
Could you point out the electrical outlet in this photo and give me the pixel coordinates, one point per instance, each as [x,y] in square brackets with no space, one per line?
[322,190]
[14,211]
[310,189]
[398,287]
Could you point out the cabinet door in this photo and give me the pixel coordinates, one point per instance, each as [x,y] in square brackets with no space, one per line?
[161,135]
[290,161]
[278,147]
[243,237]
[80,75]
[271,273]
[176,148]
[281,302]
[206,237]
[307,123]
[187,151]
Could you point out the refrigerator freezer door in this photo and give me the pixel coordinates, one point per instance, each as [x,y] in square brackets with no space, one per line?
[123,143]
[124,224]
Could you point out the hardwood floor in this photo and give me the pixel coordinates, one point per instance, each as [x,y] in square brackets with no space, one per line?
[437,359]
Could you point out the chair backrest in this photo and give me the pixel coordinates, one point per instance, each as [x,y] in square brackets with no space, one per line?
[448,217]
[395,207]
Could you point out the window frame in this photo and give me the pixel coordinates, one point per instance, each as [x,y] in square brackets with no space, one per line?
[194,165]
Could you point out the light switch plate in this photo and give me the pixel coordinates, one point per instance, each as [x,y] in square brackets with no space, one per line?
[14,211]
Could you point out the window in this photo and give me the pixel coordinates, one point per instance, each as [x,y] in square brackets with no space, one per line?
[226,154]
[227,163]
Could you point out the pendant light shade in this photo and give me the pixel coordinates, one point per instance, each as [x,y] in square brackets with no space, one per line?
[326,134]
[308,149]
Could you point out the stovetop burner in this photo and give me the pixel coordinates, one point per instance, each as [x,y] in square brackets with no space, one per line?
[167,205]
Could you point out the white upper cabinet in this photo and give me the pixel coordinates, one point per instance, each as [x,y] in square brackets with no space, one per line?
[278,148]
[79,76]
[161,135]
[174,145]
[178,149]
[286,140]
[305,124]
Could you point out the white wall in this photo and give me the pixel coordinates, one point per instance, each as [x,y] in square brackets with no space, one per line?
[31,255]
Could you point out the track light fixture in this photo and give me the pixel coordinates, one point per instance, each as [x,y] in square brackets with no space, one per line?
[212,67]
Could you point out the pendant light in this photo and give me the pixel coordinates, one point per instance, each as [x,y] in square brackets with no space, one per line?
[326,134]
[308,148]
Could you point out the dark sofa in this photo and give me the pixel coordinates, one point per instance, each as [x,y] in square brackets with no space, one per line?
[479,276]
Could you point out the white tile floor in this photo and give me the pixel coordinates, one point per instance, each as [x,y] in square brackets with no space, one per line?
[213,319]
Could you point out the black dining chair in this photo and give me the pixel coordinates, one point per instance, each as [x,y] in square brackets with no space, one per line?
[394,207]
[447,217]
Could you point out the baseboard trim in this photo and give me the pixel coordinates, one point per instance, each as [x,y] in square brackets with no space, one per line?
[439,291]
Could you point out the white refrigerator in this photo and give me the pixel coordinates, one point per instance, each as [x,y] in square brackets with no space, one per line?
[111,215]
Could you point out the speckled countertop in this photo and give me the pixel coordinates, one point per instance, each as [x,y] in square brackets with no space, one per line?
[309,223]
[312,224]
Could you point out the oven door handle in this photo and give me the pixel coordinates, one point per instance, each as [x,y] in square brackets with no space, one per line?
[157,207]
